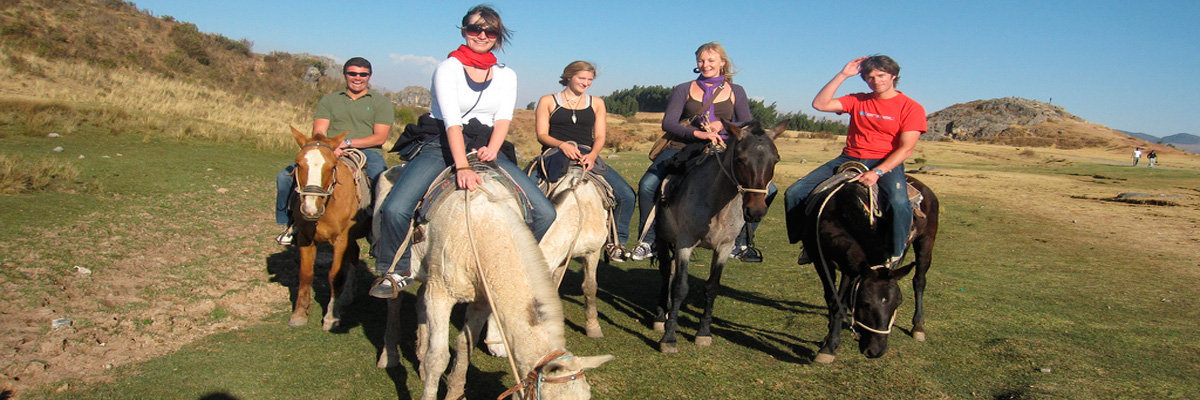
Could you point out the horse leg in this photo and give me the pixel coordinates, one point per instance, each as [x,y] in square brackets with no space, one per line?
[924,253]
[833,339]
[495,345]
[589,295]
[422,330]
[437,352]
[704,334]
[304,295]
[679,282]
[666,266]
[390,355]
[336,277]
[477,314]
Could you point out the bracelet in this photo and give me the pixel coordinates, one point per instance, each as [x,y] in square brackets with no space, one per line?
[463,168]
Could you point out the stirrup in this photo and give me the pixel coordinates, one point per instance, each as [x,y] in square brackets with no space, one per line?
[387,287]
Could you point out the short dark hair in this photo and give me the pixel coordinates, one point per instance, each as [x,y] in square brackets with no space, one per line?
[492,19]
[356,62]
[882,63]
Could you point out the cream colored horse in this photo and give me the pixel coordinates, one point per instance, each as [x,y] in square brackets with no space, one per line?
[479,251]
[579,232]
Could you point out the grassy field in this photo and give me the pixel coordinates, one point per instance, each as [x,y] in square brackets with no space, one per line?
[1041,287]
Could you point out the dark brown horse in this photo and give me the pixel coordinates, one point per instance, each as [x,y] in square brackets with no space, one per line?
[847,239]
[327,212]
[708,209]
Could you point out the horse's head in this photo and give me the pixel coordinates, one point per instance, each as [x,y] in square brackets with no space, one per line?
[877,297]
[563,378]
[754,157]
[314,172]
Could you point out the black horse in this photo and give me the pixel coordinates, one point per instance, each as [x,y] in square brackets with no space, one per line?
[847,238]
[719,193]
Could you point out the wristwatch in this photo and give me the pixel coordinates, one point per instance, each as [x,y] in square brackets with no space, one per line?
[347,142]
[879,172]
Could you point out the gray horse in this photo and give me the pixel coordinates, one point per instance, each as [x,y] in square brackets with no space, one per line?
[707,208]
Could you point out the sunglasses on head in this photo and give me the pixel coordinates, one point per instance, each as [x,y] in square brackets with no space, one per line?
[476,29]
[361,74]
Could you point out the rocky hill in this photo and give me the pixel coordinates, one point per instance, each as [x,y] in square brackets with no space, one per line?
[982,119]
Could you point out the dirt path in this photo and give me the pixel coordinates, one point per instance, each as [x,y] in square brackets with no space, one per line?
[140,285]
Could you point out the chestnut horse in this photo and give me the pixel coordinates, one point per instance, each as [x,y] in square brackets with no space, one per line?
[708,209]
[845,237]
[327,212]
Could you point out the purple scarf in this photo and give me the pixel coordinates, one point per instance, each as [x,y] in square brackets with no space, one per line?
[710,87]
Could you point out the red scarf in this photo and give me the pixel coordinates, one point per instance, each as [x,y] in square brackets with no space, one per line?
[470,58]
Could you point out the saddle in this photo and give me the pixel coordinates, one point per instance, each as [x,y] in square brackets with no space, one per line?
[356,160]
[848,171]
[445,183]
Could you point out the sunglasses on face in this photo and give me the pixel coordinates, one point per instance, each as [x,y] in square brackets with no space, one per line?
[359,74]
[476,29]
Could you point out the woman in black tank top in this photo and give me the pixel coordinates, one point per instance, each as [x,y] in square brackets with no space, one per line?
[575,123]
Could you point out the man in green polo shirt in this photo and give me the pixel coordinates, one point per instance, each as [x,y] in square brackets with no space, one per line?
[368,118]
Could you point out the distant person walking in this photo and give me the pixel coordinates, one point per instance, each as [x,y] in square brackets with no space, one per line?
[368,118]
[1137,155]
[1153,157]
[884,128]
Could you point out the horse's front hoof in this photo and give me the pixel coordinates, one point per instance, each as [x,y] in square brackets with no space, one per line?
[594,332]
[823,358]
[298,321]
[328,324]
[920,336]
[659,326]
[668,348]
[497,350]
[386,361]
[704,340]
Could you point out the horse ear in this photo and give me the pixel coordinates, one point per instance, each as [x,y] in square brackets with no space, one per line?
[738,132]
[902,271]
[779,128]
[338,139]
[300,138]
[586,363]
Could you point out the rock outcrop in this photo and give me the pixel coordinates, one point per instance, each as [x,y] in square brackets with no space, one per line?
[982,119]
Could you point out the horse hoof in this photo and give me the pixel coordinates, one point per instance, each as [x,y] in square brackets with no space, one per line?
[659,326]
[668,348]
[594,333]
[824,358]
[328,325]
[297,321]
[920,336]
[704,340]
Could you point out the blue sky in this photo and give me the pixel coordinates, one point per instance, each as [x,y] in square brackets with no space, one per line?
[1122,64]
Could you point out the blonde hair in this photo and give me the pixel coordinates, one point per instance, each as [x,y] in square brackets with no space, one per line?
[727,70]
[574,68]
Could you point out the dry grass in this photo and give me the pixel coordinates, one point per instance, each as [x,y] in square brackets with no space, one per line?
[156,105]
[18,175]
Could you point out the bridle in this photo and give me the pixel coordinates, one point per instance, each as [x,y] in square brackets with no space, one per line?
[531,387]
[854,304]
[314,190]
[714,149]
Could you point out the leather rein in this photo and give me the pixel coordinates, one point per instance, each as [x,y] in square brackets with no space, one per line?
[531,387]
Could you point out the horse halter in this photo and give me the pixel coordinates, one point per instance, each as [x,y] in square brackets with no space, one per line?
[854,305]
[313,190]
[741,189]
[531,387]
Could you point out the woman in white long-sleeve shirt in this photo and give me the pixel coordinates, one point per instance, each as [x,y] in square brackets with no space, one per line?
[473,101]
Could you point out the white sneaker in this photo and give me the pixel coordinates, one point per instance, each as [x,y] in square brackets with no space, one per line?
[642,252]
[383,286]
[285,238]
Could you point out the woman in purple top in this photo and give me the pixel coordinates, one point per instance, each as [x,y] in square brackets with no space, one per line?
[728,102]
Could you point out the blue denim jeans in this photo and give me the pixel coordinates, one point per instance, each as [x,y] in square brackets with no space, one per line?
[623,194]
[396,212]
[285,184]
[892,185]
[648,195]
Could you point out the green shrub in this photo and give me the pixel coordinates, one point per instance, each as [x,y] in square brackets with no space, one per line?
[18,175]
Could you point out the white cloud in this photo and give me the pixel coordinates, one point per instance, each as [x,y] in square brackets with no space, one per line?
[407,70]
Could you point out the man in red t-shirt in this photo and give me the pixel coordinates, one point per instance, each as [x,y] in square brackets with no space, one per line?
[884,127]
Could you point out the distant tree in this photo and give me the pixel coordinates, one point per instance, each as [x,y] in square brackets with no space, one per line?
[764,114]
[531,105]
[638,98]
